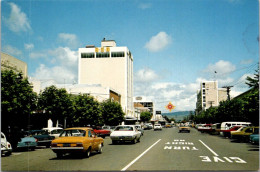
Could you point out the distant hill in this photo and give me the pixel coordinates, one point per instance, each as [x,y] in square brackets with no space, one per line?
[177,115]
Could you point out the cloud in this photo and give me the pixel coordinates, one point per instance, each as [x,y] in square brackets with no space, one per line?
[221,67]
[145,75]
[12,51]
[246,61]
[64,56]
[37,55]
[28,46]
[17,21]
[64,66]
[57,73]
[144,6]
[69,40]
[158,42]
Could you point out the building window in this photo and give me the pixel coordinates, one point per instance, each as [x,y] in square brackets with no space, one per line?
[117,54]
[203,92]
[203,85]
[204,99]
[204,104]
[87,55]
[102,54]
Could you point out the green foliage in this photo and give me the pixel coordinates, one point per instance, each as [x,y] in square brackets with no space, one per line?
[145,116]
[112,113]
[87,111]
[55,102]
[245,108]
[253,82]
[18,100]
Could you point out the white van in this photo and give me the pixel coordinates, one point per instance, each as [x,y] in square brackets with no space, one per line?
[228,125]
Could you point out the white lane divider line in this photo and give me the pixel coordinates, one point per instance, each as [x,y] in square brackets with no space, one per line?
[131,163]
[209,148]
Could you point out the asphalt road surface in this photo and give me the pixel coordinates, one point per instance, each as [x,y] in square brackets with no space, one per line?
[158,150]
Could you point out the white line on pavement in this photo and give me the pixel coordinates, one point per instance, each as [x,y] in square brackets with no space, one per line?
[209,148]
[131,163]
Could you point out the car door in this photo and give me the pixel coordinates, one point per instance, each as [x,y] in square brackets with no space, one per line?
[95,140]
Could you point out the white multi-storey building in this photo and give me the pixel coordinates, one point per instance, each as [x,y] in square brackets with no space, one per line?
[210,95]
[110,66]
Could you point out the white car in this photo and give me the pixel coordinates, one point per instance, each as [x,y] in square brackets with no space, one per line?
[54,131]
[157,127]
[125,133]
[6,147]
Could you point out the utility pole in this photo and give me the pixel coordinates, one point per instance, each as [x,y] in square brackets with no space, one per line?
[228,91]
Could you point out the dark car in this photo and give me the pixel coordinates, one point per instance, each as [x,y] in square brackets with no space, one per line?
[42,137]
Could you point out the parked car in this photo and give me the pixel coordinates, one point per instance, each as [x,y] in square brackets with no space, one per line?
[42,136]
[254,138]
[139,128]
[27,143]
[244,133]
[110,128]
[101,132]
[227,133]
[205,128]
[54,131]
[125,133]
[228,125]
[6,148]
[215,128]
[148,126]
[184,129]
[78,140]
[157,127]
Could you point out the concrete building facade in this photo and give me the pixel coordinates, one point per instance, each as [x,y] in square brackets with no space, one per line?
[110,66]
[209,95]
[12,63]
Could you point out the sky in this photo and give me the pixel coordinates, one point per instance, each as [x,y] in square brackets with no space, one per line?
[176,44]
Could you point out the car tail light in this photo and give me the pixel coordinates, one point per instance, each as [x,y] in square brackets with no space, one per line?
[9,145]
[79,144]
[36,140]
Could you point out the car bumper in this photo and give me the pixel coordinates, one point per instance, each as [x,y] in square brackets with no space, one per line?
[122,138]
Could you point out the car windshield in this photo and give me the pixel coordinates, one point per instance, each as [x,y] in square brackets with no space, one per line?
[73,132]
[39,132]
[124,128]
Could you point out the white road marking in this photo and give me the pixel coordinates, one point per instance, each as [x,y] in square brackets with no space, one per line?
[209,148]
[131,163]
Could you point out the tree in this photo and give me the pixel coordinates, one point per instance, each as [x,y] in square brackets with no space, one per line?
[86,111]
[253,82]
[112,112]
[145,116]
[55,102]
[18,101]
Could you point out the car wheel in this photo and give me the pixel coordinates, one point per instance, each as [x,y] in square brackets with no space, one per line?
[134,141]
[33,148]
[59,155]
[100,150]
[139,139]
[88,153]
[114,142]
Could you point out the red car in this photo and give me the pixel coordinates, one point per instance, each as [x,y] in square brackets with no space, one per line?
[101,132]
[205,128]
[227,133]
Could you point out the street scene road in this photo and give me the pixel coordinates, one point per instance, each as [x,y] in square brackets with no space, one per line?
[157,150]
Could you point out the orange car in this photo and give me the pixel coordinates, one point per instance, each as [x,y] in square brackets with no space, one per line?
[81,140]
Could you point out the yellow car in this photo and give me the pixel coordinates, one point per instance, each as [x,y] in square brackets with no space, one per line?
[81,140]
[243,134]
[184,129]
